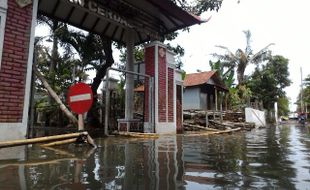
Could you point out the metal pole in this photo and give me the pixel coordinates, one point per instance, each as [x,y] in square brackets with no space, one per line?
[215,90]
[151,104]
[221,108]
[81,123]
[129,78]
[32,106]
[207,119]
[301,92]
[107,103]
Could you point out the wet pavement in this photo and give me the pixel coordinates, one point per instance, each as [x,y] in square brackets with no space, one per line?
[269,158]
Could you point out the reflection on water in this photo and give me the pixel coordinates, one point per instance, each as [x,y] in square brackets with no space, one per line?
[275,157]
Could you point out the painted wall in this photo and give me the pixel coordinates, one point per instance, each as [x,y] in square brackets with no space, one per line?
[191,98]
[203,101]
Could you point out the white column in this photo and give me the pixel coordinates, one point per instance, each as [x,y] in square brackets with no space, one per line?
[276,112]
[129,77]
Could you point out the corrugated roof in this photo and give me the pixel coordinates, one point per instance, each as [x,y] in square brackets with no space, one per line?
[149,19]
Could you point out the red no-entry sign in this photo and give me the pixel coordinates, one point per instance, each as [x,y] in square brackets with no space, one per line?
[80,98]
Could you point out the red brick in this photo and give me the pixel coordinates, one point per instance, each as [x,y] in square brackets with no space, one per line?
[14,62]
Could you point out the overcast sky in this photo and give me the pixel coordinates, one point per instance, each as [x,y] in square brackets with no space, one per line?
[282,22]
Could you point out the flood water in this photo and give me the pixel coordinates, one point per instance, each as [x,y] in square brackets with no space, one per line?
[270,158]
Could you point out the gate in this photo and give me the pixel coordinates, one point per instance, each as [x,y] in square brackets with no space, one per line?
[114,103]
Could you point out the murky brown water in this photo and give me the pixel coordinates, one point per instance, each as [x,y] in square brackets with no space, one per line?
[272,158]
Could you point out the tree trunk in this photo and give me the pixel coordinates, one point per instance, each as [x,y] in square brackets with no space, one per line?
[93,113]
[55,96]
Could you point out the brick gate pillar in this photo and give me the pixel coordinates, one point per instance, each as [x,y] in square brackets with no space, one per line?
[160,64]
[18,25]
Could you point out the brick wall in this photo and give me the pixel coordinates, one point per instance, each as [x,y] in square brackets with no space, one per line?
[170,94]
[162,87]
[14,62]
[149,70]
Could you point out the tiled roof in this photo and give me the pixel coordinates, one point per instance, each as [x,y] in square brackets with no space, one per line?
[139,88]
[195,79]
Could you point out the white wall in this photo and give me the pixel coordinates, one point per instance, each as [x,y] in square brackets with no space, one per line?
[191,98]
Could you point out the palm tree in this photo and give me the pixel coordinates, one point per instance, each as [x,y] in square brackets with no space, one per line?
[241,59]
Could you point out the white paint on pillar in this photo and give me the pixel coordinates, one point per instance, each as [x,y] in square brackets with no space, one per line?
[3,9]
[129,77]
[156,85]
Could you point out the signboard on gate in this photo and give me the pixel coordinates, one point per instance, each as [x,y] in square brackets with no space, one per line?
[80,98]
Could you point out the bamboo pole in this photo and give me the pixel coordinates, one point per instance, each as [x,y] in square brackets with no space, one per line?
[59,151]
[201,127]
[38,162]
[40,139]
[67,141]
[54,95]
[139,135]
[214,133]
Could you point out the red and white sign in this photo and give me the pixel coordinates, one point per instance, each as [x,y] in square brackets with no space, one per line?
[80,98]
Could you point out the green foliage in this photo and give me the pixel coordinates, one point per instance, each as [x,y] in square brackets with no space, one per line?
[268,82]
[138,54]
[305,94]
[239,97]
[283,106]
[226,75]
[239,60]
[199,6]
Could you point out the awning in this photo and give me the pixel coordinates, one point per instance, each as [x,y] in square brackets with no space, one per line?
[149,19]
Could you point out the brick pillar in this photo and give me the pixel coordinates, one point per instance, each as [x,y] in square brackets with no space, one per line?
[158,67]
[14,69]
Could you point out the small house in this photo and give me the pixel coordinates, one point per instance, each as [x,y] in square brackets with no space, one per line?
[203,91]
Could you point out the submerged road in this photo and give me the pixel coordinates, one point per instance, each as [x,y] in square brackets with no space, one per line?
[275,157]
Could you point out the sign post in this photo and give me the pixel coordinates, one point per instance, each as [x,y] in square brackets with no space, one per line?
[80,99]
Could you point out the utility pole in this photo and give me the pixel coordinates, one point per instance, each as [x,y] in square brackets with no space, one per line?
[301,92]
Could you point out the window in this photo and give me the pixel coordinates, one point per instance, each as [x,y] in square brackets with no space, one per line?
[2,25]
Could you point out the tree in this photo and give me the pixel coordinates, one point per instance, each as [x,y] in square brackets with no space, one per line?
[197,7]
[95,53]
[283,106]
[56,69]
[242,58]
[268,82]
[305,95]
[227,76]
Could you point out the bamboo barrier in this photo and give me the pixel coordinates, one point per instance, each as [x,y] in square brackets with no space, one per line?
[38,162]
[67,141]
[59,151]
[214,133]
[41,139]
[139,135]
[201,127]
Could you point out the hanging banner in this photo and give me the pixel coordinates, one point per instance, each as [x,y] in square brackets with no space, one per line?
[23,3]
